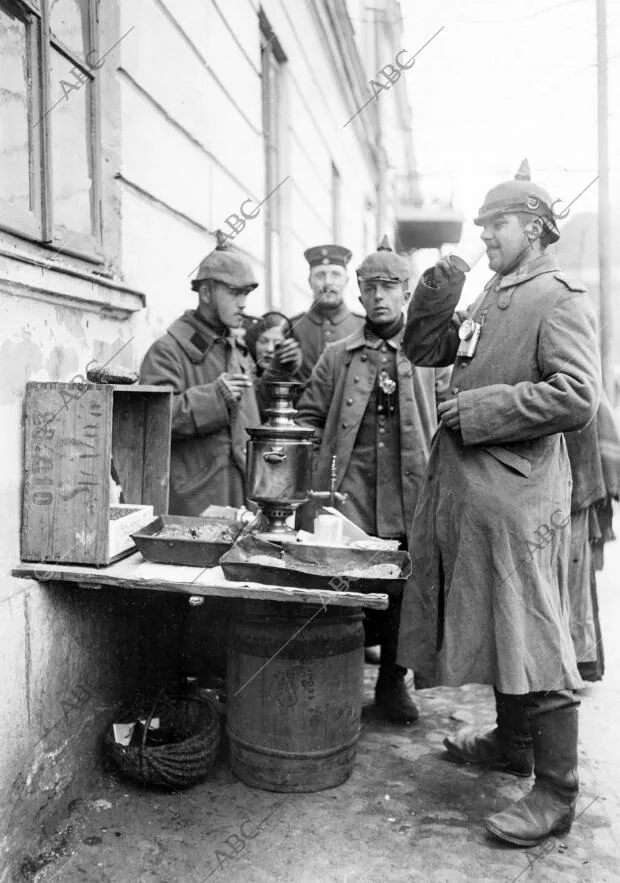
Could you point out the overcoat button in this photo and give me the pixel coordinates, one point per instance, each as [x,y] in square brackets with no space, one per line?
[356,380]
[344,425]
[381,445]
[381,430]
[363,358]
[455,390]
[349,401]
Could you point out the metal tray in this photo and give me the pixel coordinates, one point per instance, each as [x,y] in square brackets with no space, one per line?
[182,550]
[313,567]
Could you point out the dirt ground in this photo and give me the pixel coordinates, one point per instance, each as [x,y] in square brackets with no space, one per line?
[405,815]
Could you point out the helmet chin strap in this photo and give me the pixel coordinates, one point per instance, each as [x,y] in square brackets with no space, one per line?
[513,265]
[210,313]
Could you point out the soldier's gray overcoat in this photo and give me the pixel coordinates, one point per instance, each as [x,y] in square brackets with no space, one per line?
[487,601]
[207,462]
[315,330]
[335,401]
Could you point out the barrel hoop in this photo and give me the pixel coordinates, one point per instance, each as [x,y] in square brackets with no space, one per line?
[271,611]
[268,646]
[294,755]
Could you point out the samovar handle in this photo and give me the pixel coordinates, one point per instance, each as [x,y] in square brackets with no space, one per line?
[275,457]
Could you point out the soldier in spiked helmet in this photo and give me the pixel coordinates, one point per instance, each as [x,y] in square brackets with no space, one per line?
[376,414]
[488,600]
[213,377]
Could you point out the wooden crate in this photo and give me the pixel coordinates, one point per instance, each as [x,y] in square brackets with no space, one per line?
[72,433]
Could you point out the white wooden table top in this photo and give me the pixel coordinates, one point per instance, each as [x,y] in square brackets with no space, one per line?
[136,573]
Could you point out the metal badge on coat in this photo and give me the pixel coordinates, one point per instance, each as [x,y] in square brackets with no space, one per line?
[469,334]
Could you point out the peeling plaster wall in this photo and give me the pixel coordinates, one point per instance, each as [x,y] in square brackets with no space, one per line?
[68,656]
[182,147]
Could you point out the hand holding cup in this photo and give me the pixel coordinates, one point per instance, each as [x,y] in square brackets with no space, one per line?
[287,354]
[235,384]
[445,271]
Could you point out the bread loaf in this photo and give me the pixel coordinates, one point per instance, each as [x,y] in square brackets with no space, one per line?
[110,374]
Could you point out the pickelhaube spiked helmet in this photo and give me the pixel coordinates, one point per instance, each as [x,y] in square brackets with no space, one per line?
[383,265]
[520,195]
[225,264]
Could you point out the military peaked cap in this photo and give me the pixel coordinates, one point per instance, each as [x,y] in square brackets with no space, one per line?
[327,254]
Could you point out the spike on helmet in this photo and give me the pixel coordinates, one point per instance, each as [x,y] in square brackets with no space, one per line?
[520,195]
[225,264]
[221,239]
[383,265]
[524,172]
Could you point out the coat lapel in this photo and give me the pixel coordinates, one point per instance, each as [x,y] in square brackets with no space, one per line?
[353,414]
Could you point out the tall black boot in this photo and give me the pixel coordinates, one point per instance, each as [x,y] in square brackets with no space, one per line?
[507,748]
[549,808]
[391,694]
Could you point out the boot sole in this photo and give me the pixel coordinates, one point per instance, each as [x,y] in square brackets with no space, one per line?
[518,841]
[454,754]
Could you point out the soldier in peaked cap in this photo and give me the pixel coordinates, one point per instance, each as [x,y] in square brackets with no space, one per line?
[328,319]
[376,414]
[488,601]
[212,375]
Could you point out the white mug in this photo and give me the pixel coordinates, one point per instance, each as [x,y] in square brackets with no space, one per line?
[469,250]
[328,529]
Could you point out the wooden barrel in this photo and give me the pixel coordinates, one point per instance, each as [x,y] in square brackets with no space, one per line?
[294,685]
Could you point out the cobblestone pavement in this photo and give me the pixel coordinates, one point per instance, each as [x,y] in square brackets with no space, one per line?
[406,814]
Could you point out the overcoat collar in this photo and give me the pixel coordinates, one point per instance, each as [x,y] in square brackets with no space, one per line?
[358,340]
[196,338]
[545,263]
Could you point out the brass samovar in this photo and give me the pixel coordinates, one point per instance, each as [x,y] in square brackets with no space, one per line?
[279,460]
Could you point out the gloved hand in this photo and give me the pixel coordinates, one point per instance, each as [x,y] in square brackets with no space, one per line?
[444,271]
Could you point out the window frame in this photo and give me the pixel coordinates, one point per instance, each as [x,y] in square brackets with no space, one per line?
[273,62]
[37,226]
[29,223]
